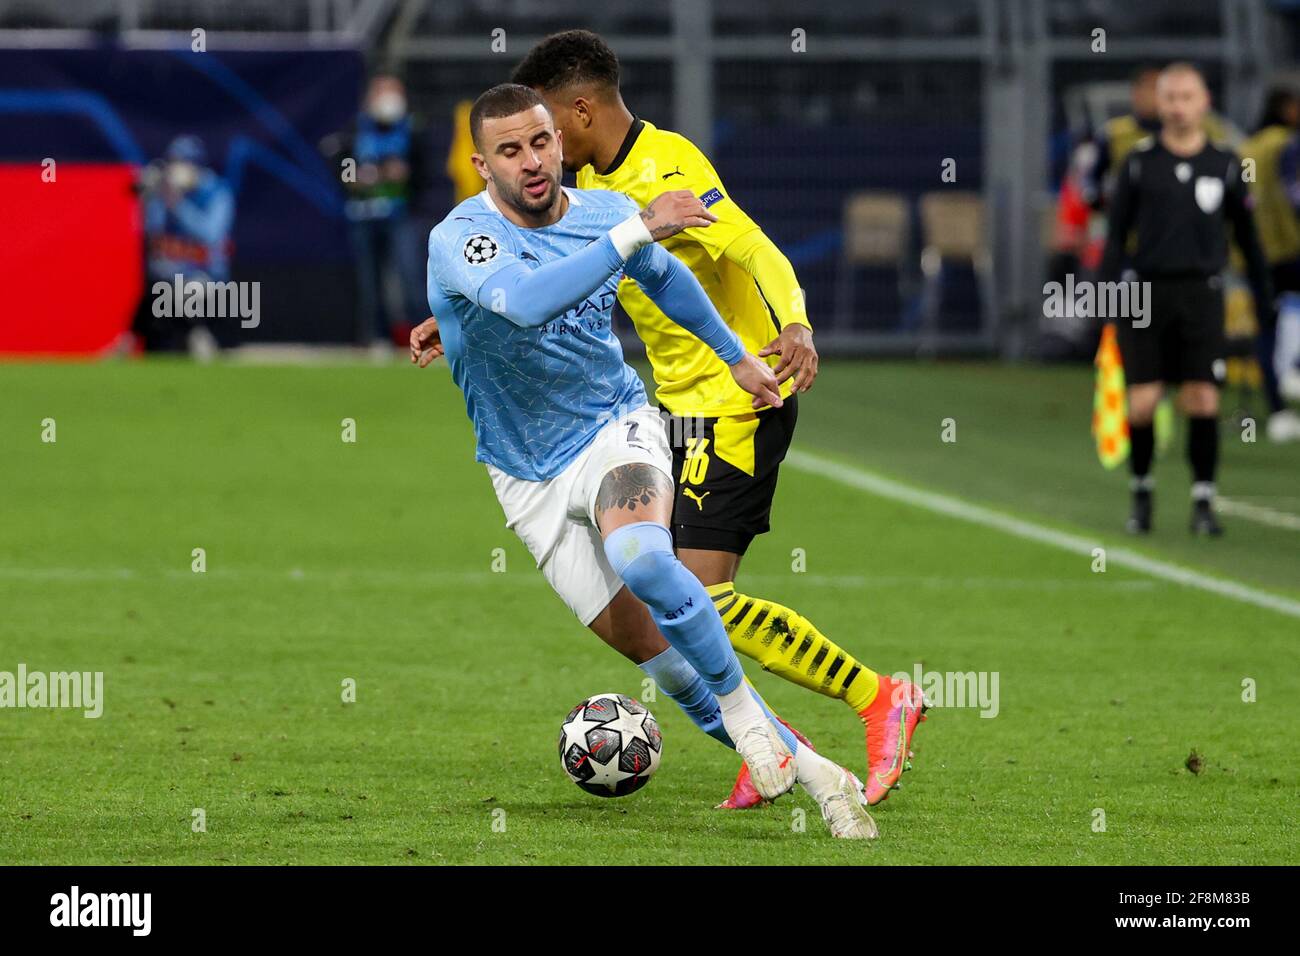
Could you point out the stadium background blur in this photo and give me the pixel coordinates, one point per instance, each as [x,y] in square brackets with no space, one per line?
[833,125]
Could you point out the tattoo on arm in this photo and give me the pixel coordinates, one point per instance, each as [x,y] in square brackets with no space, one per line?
[630,486]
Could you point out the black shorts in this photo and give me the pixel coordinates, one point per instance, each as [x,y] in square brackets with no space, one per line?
[726,470]
[1184,341]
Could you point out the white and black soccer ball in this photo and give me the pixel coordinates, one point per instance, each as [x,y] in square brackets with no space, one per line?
[610,745]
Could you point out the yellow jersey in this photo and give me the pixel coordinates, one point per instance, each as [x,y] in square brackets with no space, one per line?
[464,177]
[729,258]
[1279,229]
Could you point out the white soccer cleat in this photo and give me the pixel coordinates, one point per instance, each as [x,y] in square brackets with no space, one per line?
[845,810]
[771,765]
[1283,426]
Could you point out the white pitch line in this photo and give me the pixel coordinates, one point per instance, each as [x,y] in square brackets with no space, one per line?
[1257,513]
[864,480]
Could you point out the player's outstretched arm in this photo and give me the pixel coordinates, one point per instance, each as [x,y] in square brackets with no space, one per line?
[675,211]
[759,256]
[479,265]
[529,297]
[672,287]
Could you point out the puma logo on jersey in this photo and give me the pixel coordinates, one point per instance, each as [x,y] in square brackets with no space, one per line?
[698,499]
[675,172]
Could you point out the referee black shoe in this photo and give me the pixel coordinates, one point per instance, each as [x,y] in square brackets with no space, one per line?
[1139,519]
[1203,519]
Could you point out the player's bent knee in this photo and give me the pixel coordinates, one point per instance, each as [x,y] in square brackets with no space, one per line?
[642,555]
[650,577]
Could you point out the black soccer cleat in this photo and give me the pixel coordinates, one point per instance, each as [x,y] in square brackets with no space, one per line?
[1139,519]
[1204,520]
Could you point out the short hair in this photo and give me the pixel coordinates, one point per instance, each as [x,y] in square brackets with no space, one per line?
[505,99]
[1275,107]
[1142,72]
[1185,66]
[574,57]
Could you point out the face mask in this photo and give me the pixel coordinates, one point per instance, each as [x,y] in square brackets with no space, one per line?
[388,107]
[182,177]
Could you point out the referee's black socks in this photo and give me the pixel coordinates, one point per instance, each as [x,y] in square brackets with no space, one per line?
[1141,449]
[1203,453]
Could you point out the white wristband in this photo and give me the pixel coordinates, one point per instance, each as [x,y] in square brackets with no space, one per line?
[630,235]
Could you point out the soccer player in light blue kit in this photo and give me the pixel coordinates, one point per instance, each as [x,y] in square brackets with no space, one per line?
[522,280]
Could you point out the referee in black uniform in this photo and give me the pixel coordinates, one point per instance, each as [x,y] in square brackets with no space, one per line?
[1179,192]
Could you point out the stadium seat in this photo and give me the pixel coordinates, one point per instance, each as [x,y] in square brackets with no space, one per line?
[952,233]
[877,238]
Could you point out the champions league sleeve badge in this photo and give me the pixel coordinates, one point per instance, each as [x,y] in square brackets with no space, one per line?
[480,250]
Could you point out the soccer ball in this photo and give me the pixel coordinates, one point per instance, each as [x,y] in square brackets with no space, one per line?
[610,745]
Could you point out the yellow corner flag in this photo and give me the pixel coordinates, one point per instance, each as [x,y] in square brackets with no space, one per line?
[1109,408]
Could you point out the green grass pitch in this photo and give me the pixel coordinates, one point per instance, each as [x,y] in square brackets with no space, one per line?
[373,561]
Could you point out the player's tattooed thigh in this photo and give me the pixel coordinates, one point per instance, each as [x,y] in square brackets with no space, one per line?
[632,486]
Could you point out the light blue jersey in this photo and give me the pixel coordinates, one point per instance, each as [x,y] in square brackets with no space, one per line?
[536,395]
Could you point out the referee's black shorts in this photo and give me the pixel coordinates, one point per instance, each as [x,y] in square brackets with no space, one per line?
[1184,341]
[726,470]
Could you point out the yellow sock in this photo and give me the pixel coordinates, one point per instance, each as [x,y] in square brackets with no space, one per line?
[787,644]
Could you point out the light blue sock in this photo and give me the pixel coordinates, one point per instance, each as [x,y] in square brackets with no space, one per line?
[676,678]
[642,555]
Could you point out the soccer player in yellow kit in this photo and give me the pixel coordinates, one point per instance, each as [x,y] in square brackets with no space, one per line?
[726,453]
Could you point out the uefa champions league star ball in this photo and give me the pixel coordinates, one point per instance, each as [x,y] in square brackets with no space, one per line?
[610,745]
